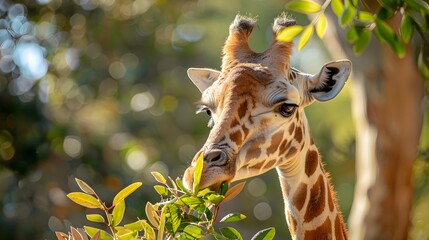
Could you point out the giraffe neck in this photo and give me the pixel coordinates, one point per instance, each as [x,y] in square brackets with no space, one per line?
[310,203]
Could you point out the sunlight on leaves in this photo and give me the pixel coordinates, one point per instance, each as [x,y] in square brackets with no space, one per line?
[289,33]
[85,200]
[126,192]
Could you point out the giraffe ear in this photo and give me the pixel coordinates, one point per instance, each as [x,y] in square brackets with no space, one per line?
[203,77]
[331,79]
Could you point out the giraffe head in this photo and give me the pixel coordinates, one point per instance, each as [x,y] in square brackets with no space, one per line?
[255,104]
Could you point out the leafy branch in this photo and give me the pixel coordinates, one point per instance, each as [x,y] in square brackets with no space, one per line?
[180,214]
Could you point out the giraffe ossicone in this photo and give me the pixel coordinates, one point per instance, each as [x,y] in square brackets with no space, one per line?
[256,105]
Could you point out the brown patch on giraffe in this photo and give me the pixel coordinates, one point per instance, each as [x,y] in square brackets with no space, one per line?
[257,166]
[298,134]
[291,152]
[270,164]
[245,132]
[311,162]
[323,232]
[242,109]
[234,122]
[284,146]
[338,229]
[292,224]
[275,142]
[300,196]
[291,128]
[316,203]
[236,137]
[254,150]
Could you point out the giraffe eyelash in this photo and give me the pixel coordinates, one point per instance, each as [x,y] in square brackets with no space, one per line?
[203,108]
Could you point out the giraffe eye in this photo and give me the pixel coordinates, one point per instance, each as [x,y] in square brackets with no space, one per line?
[287,109]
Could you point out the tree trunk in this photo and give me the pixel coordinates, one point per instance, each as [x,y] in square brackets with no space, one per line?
[388,110]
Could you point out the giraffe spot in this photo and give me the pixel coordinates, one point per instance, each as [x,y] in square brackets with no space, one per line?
[300,196]
[291,128]
[291,152]
[284,146]
[292,224]
[298,134]
[253,153]
[236,137]
[323,232]
[234,123]
[275,142]
[242,109]
[339,234]
[311,162]
[316,203]
[257,166]
[270,164]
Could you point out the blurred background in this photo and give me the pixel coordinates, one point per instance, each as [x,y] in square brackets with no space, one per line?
[97,89]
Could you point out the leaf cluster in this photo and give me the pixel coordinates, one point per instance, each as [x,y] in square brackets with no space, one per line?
[180,214]
[362,23]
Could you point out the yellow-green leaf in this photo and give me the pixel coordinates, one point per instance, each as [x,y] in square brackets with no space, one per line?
[266,234]
[197,173]
[84,186]
[93,231]
[126,192]
[386,33]
[118,213]
[304,6]
[406,28]
[158,177]
[95,218]
[362,41]
[305,37]
[97,236]
[289,33]
[338,7]
[151,214]
[127,235]
[161,190]
[161,225]
[233,217]
[85,200]
[233,191]
[348,15]
[365,16]
[194,231]
[321,26]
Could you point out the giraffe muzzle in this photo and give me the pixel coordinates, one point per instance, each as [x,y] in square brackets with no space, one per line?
[215,157]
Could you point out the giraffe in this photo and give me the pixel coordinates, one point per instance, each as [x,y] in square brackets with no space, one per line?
[257,121]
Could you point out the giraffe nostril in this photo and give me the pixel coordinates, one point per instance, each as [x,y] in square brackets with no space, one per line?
[215,157]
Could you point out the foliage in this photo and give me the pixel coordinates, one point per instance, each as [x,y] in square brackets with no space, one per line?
[362,22]
[180,214]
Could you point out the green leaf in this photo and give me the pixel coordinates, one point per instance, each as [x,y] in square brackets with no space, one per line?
[233,191]
[231,233]
[161,190]
[190,200]
[172,216]
[348,15]
[266,234]
[84,186]
[384,13]
[418,5]
[151,214]
[118,213]
[352,34]
[125,192]
[289,33]
[305,37]
[193,231]
[197,173]
[223,188]
[338,7]
[215,199]
[406,28]
[93,231]
[391,4]
[354,2]
[362,42]
[127,235]
[95,218]
[180,185]
[233,217]
[85,200]
[158,177]
[304,6]
[365,16]
[321,26]
[386,33]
